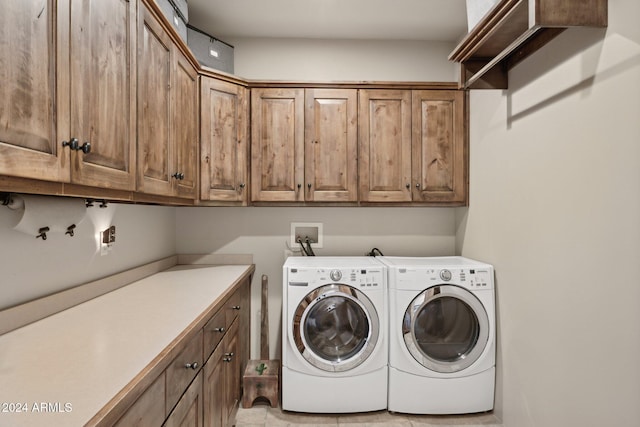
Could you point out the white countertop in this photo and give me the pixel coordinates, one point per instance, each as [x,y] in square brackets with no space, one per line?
[75,361]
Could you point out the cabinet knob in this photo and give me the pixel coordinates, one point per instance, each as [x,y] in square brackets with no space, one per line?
[236,307]
[309,186]
[193,366]
[221,330]
[72,143]
[228,357]
[417,185]
[408,186]
[242,185]
[85,148]
[178,175]
[299,186]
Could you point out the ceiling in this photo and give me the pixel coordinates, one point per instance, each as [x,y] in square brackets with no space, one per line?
[436,20]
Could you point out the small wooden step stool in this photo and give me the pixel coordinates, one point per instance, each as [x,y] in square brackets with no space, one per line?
[260,380]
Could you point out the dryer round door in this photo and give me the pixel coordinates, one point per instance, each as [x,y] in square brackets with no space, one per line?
[445,328]
[335,327]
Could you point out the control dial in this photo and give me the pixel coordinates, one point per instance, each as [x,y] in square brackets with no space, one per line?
[445,275]
[335,275]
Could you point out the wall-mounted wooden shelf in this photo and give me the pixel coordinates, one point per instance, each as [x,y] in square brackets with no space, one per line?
[513,30]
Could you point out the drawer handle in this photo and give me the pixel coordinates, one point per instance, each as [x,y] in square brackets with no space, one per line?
[193,365]
[221,330]
[236,307]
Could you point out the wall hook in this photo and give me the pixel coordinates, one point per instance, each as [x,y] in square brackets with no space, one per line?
[70,230]
[5,198]
[43,233]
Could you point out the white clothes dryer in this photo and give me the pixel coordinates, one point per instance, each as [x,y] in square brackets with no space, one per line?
[442,335]
[334,343]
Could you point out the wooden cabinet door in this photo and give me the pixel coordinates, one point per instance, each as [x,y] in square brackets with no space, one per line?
[331,145]
[232,375]
[244,326]
[385,145]
[188,411]
[148,410]
[221,389]
[102,53]
[223,124]
[154,106]
[277,145]
[214,393]
[185,127]
[439,147]
[30,103]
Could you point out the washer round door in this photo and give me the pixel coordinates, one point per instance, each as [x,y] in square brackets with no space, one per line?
[335,327]
[445,328]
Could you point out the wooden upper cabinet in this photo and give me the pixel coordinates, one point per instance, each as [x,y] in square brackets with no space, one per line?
[185,127]
[439,147]
[413,146]
[101,48]
[385,145]
[29,131]
[331,145]
[155,61]
[167,114]
[277,145]
[224,151]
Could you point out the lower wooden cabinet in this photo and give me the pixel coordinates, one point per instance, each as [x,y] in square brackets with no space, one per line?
[221,387]
[183,369]
[148,410]
[192,392]
[188,411]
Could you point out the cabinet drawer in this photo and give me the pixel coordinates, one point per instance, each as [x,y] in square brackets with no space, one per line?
[183,369]
[233,307]
[214,331]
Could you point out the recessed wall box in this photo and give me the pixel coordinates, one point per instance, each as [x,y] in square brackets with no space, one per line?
[306,230]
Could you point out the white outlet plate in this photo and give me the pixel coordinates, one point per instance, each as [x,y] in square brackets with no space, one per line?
[297,226]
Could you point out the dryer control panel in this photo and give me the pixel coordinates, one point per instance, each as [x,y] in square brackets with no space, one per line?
[421,278]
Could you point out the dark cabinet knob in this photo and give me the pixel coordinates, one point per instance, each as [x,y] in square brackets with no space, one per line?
[74,144]
[85,148]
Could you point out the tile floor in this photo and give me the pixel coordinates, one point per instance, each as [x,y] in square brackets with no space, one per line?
[264,416]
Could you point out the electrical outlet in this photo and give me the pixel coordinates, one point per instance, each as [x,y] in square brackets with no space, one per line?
[306,230]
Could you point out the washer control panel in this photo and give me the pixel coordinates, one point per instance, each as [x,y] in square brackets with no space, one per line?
[371,278]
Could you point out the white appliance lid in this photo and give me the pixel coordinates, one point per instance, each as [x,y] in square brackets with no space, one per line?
[428,262]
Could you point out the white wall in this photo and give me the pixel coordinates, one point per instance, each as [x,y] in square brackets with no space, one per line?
[342,60]
[555,206]
[265,231]
[32,268]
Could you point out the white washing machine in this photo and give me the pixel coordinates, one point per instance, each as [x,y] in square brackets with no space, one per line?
[442,335]
[334,343]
